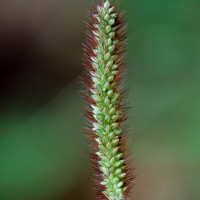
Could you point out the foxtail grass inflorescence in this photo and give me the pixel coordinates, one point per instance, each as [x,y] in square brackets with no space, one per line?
[106,111]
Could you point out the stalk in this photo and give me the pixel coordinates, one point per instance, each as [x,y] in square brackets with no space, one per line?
[106,110]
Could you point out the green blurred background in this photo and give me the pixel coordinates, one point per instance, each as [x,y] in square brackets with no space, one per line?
[42,149]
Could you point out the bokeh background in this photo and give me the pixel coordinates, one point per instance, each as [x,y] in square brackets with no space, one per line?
[42,149]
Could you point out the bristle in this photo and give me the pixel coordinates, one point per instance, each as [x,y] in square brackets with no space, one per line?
[106,111]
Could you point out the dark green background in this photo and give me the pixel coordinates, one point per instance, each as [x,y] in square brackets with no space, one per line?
[42,149]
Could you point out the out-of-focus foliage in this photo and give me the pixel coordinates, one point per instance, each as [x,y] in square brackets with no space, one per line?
[42,151]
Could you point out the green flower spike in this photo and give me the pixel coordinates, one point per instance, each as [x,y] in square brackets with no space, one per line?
[104,56]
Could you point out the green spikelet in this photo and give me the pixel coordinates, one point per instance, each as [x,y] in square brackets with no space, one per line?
[104,67]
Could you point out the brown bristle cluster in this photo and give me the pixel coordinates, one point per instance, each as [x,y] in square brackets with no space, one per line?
[106,111]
